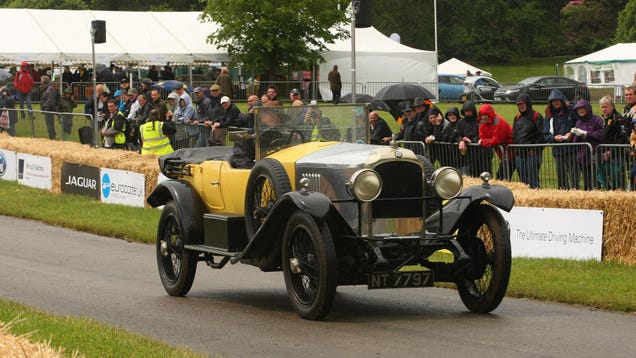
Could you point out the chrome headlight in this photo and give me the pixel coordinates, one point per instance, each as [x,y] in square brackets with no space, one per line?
[447,182]
[365,185]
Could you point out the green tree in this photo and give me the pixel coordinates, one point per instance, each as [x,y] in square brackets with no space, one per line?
[413,20]
[489,36]
[276,36]
[626,28]
[48,4]
[588,25]
[146,5]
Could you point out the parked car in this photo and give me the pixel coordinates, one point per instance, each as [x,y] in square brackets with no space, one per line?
[539,88]
[479,89]
[331,213]
[449,87]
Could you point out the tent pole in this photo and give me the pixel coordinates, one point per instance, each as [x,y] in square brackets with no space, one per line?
[190,74]
[95,126]
[354,5]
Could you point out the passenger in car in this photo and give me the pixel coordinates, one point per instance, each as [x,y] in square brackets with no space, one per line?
[319,127]
[244,150]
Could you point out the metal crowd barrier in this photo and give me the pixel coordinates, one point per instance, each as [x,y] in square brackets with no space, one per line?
[44,124]
[566,166]
[313,89]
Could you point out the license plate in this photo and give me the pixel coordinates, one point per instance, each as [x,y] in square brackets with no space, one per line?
[400,279]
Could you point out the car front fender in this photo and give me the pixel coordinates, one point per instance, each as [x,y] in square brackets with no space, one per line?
[264,249]
[188,204]
[497,195]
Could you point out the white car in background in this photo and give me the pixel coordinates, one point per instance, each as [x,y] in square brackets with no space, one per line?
[479,89]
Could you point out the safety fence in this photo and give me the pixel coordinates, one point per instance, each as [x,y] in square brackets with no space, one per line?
[553,166]
[320,90]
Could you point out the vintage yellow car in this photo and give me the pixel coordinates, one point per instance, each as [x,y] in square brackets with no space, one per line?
[330,213]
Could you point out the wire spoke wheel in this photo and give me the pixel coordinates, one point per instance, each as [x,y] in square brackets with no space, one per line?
[485,237]
[268,181]
[177,266]
[309,266]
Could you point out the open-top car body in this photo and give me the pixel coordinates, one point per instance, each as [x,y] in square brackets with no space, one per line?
[331,213]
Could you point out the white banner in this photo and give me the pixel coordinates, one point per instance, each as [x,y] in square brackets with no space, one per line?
[8,165]
[560,233]
[34,171]
[122,187]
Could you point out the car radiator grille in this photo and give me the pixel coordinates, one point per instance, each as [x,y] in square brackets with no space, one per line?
[401,194]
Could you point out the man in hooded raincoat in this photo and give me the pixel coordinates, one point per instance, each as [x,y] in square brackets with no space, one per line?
[527,128]
[558,123]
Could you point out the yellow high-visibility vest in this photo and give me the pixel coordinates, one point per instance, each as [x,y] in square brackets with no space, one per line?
[154,141]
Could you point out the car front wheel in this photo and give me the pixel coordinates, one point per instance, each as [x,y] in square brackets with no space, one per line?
[309,265]
[268,181]
[177,266]
[484,236]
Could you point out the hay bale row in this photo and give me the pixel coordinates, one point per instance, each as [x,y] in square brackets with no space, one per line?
[73,152]
[21,346]
[619,221]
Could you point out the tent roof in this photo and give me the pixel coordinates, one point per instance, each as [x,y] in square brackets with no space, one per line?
[379,60]
[368,39]
[622,52]
[141,37]
[458,67]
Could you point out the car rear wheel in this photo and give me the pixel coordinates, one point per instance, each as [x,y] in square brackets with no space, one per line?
[177,266]
[268,181]
[309,266]
[484,235]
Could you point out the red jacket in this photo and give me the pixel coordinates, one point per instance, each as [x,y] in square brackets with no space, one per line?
[23,80]
[496,132]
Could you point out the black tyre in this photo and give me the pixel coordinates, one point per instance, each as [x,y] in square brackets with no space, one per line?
[485,237]
[268,181]
[177,266]
[309,266]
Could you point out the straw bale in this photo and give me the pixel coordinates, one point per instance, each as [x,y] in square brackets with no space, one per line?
[619,219]
[21,346]
[73,152]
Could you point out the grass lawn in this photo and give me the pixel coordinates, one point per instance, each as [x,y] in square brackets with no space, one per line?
[522,68]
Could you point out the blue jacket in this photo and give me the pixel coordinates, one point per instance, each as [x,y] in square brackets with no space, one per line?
[557,121]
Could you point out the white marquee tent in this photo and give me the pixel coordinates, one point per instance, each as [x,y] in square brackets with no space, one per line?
[63,37]
[458,67]
[378,59]
[614,65]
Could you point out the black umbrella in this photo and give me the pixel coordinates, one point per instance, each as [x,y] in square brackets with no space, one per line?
[402,92]
[5,75]
[360,98]
[365,98]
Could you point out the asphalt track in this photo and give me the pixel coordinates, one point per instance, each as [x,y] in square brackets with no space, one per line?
[241,312]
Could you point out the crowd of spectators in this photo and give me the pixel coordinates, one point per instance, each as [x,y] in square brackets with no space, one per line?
[473,133]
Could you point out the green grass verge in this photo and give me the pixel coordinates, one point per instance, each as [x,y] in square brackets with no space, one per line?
[84,336]
[523,68]
[79,212]
[605,285]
